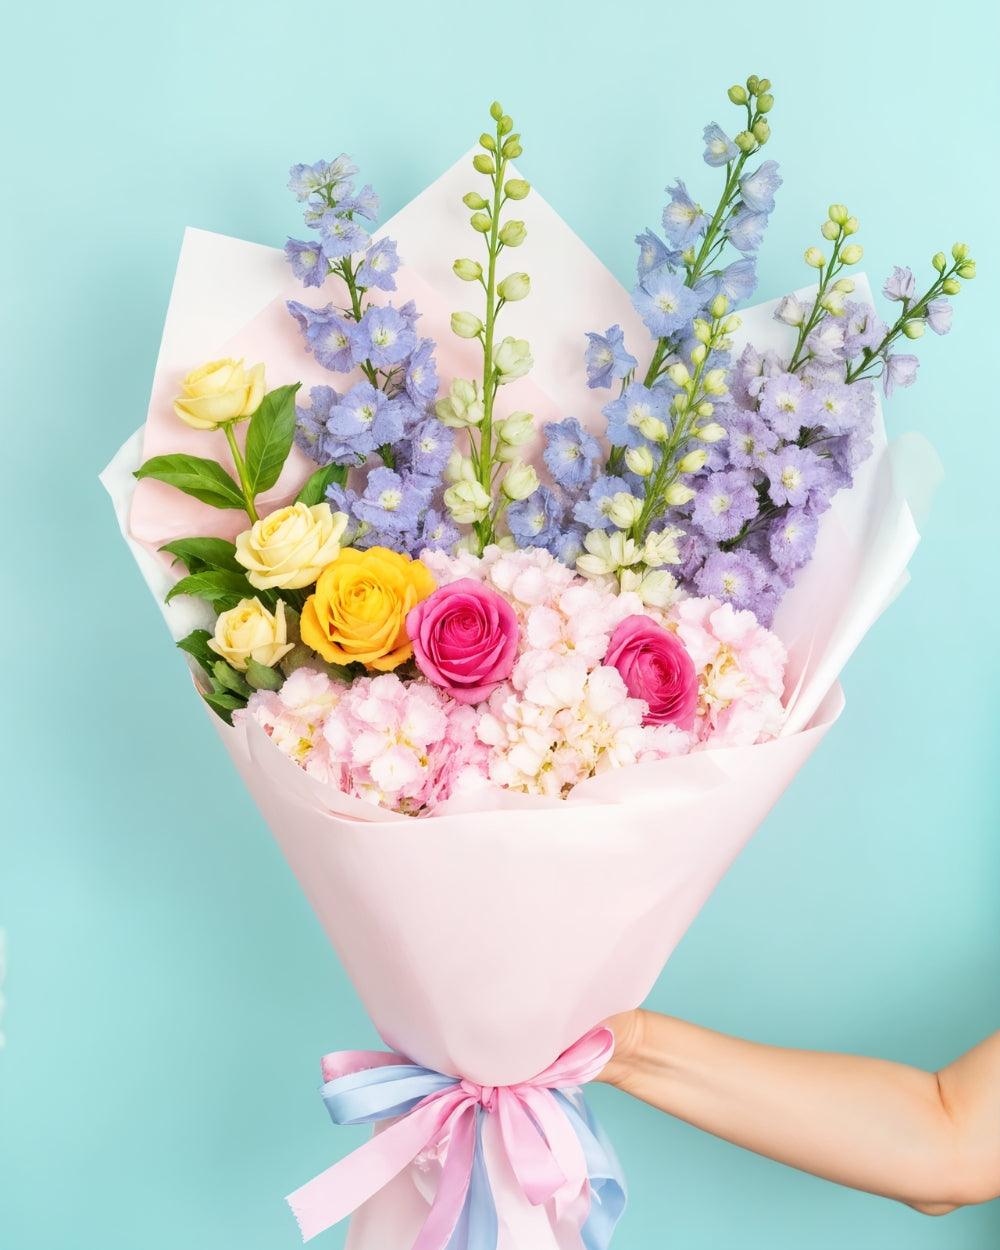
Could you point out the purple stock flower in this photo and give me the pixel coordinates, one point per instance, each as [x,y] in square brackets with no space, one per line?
[792,538]
[746,229]
[653,253]
[719,148]
[382,336]
[606,358]
[791,472]
[900,370]
[664,302]
[758,188]
[307,261]
[787,405]
[900,285]
[570,453]
[724,504]
[379,265]
[750,439]
[736,577]
[625,413]
[683,219]
[939,314]
[327,333]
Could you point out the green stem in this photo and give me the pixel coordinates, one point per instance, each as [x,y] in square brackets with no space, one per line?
[241,469]
[918,309]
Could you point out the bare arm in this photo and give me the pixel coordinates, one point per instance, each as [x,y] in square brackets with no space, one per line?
[931,1140]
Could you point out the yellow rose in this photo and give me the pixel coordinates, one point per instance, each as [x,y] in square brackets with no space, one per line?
[250,632]
[292,546]
[358,611]
[220,391]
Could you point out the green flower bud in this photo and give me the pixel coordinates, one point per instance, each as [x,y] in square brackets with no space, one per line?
[513,233]
[814,257]
[512,360]
[698,353]
[516,188]
[765,103]
[732,324]
[833,302]
[951,286]
[764,84]
[677,495]
[519,481]
[959,251]
[506,124]
[761,131]
[939,261]
[474,200]
[852,253]
[745,141]
[467,502]
[514,287]
[480,222]
[844,284]
[753,83]
[679,401]
[624,510]
[851,225]
[714,382]
[711,433]
[466,325]
[496,110]
[914,329]
[702,330]
[693,461]
[468,270]
[688,256]
[654,429]
[705,408]
[483,164]
[719,307]
[737,94]
[640,461]
[488,142]
[678,374]
[967,269]
[838,213]
[511,148]
[830,230]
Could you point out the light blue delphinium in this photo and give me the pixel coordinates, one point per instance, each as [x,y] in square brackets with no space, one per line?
[653,253]
[430,445]
[379,266]
[537,520]
[421,373]
[625,414]
[340,235]
[757,188]
[307,260]
[392,503]
[719,148]
[683,219]
[382,336]
[746,229]
[664,302]
[606,357]
[365,419]
[327,333]
[570,453]
[592,512]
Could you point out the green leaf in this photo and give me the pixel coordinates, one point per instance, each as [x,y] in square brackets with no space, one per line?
[301,656]
[230,680]
[269,438]
[220,587]
[204,479]
[197,554]
[260,677]
[314,491]
[196,644]
[224,704]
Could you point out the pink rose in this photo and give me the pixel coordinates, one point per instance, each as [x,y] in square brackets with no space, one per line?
[655,667]
[464,639]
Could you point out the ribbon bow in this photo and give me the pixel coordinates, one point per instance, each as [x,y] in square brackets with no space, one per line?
[557,1151]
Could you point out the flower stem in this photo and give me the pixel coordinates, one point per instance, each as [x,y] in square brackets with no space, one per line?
[241,469]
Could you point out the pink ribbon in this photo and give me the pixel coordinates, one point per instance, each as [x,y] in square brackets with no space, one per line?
[545,1154]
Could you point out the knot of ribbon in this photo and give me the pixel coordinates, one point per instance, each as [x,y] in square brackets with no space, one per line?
[557,1152]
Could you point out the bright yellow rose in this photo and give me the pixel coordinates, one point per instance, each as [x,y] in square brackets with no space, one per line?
[292,546]
[220,391]
[250,632]
[358,611]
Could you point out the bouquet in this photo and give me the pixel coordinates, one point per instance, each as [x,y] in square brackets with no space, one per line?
[516,628]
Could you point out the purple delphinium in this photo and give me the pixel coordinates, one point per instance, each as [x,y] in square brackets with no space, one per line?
[365,202]
[606,358]
[568,547]
[862,328]
[787,405]
[900,370]
[429,445]
[421,380]
[379,266]
[900,284]
[683,219]
[438,532]
[792,472]
[746,229]
[723,504]
[382,336]
[939,314]
[570,453]
[363,420]
[664,302]
[735,577]
[757,188]
[340,236]
[308,263]
[792,538]
[750,439]
[327,334]
[391,503]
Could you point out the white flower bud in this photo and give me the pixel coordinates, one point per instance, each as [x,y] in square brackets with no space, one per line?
[677,495]
[467,502]
[693,461]
[719,307]
[830,230]
[678,374]
[459,468]
[814,257]
[640,461]
[914,329]
[654,429]
[462,407]
[656,587]
[466,325]
[661,547]
[512,360]
[520,481]
[852,253]
[715,382]
[852,225]
[844,284]
[790,311]
[516,429]
[698,353]
[514,287]
[711,433]
[702,330]
[838,213]
[833,302]
[468,270]
[625,510]
[607,552]
[513,234]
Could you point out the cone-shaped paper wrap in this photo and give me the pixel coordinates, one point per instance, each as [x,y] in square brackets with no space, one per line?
[485,942]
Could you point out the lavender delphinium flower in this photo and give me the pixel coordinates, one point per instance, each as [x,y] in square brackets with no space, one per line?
[391,504]
[792,538]
[383,337]
[792,472]
[653,253]
[438,532]
[900,370]
[746,229]
[421,379]
[308,262]
[736,577]
[327,334]
[363,420]
[429,445]
[750,439]
[900,285]
[379,266]
[606,358]
[724,503]
[939,315]
[365,202]
[787,405]
[758,188]
[570,453]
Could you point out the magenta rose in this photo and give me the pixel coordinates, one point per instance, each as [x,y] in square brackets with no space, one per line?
[656,667]
[464,639]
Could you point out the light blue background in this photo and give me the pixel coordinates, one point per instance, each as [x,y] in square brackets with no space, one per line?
[169,992]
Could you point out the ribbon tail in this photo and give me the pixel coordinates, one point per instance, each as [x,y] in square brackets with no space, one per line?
[456,1178]
[477,1227]
[342,1188]
[607,1182]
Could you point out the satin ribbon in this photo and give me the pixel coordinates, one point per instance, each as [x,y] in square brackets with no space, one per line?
[557,1152]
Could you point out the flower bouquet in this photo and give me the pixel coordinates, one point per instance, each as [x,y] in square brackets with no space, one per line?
[515,631]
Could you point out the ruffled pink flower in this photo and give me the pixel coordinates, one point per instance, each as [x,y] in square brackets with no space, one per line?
[656,668]
[464,639]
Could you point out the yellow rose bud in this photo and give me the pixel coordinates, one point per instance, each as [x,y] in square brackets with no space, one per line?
[292,546]
[357,613]
[222,390]
[250,632]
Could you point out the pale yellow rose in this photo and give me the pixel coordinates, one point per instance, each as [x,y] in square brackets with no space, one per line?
[250,632]
[292,546]
[220,391]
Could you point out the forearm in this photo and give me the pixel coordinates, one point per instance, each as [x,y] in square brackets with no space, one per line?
[924,1139]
